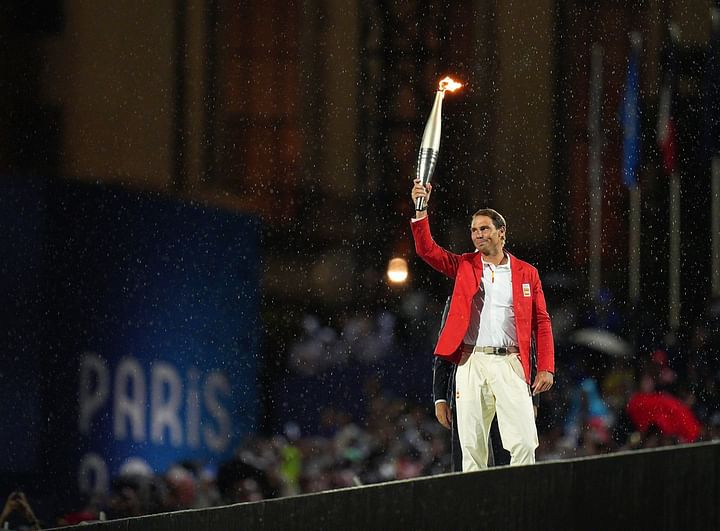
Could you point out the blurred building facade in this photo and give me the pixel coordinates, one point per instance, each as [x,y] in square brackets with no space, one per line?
[309,113]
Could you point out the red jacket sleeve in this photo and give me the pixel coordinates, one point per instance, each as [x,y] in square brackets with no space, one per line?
[542,328]
[426,248]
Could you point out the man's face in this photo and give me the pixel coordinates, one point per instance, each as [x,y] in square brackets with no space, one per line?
[486,238]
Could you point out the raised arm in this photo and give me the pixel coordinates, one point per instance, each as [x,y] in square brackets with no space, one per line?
[426,248]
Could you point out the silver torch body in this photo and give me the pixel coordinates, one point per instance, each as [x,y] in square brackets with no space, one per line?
[430,146]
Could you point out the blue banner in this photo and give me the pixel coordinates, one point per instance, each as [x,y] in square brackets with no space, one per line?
[150,326]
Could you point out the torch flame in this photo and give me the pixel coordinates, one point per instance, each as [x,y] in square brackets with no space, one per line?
[449,84]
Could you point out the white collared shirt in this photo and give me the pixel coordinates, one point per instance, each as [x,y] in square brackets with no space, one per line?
[494,325]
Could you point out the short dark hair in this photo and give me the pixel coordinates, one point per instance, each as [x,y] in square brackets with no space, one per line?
[494,215]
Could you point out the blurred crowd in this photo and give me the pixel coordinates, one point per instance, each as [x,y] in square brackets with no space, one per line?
[362,338]
[398,441]
[603,401]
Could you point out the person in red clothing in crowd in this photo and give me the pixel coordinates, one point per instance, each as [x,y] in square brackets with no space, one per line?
[496,310]
[649,408]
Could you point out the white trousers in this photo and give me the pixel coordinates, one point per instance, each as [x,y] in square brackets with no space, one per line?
[487,384]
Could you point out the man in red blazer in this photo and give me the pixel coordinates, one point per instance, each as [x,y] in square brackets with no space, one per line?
[496,309]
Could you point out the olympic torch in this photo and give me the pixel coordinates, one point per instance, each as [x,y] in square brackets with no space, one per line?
[430,145]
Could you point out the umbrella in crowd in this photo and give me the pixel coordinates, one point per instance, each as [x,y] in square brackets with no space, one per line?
[602,341]
[669,415]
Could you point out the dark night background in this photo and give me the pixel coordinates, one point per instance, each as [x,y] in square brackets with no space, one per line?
[264,151]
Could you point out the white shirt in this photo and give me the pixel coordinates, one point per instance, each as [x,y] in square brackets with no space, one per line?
[494,325]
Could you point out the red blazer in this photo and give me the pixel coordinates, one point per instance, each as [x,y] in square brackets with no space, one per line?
[531,315]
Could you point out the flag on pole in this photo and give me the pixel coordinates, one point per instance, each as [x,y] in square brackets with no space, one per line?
[630,115]
[666,123]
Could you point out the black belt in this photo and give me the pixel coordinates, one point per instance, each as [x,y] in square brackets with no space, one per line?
[499,351]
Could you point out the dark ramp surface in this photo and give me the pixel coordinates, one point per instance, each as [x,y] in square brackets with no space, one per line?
[673,488]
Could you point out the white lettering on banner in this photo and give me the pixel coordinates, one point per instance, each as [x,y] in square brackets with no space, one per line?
[166,399]
[160,406]
[130,399]
[217,440]
[94,388]
[93,474]
[192,408]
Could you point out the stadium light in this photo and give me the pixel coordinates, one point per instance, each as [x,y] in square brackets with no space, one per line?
[397,271]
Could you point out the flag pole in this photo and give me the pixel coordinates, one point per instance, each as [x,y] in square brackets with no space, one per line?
[715,165]
[715,223]
[595,171]
[674,259]
[667,142]
[635,223]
